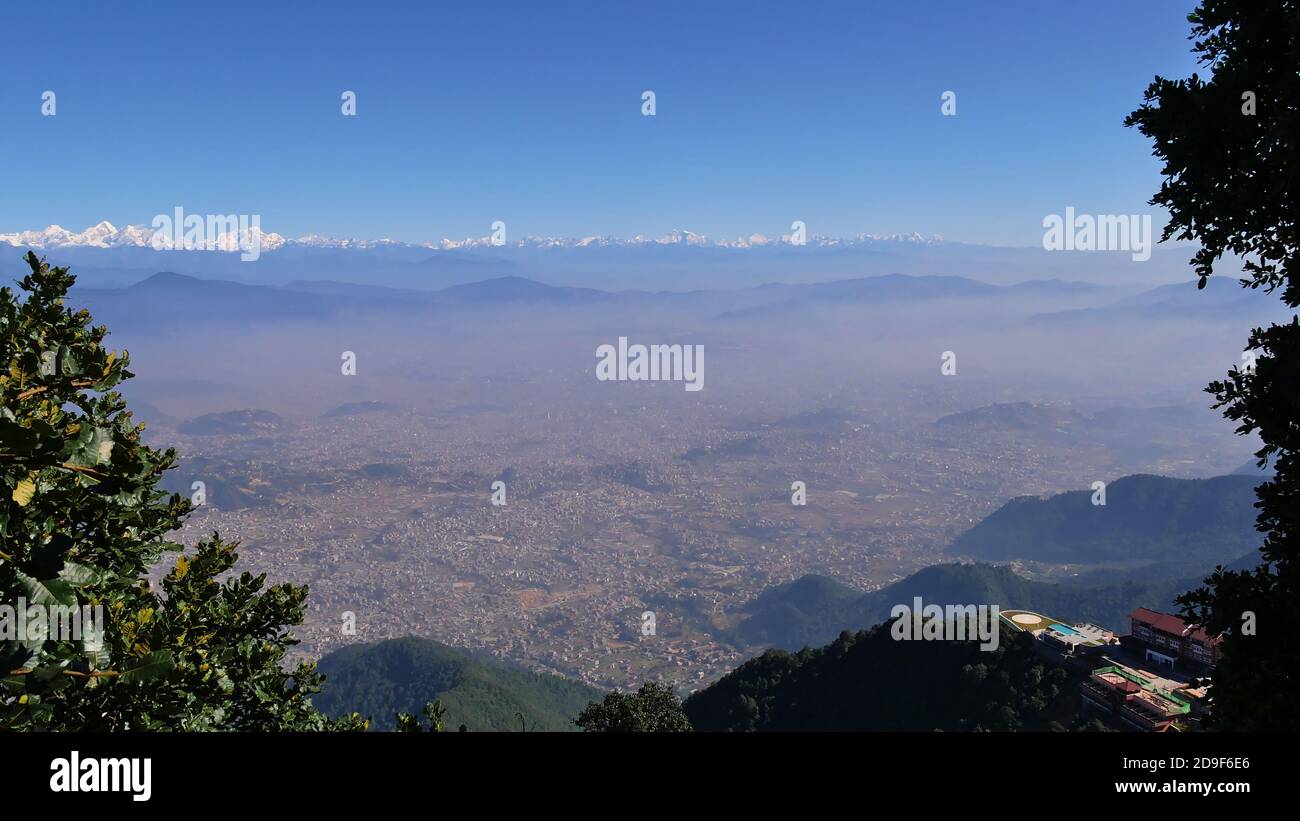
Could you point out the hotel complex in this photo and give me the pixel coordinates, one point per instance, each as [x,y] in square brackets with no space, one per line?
[1135,700]
[1168,639]
[1125,694]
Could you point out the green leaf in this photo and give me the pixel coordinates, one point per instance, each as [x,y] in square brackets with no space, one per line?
[93,447]
[46,592]
[149,667]
[79,575]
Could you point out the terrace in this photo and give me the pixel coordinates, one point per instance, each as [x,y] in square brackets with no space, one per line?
[1134,699]
[1064,639]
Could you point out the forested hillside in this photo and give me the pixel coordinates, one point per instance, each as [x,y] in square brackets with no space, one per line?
[1154,518]
[381,679]
[869,681]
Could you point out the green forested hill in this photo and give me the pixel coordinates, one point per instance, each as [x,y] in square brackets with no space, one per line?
[869,681]
[808,611]
[381,679]
[1155,518]
[1155,538]
[812,610]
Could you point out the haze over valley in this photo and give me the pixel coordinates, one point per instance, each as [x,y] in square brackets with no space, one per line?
[627,497]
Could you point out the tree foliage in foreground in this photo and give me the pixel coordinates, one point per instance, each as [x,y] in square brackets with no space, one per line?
[654,708]
[434,715]
[1231,168]
[82,520]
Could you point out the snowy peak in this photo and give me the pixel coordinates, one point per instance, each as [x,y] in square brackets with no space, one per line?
[106,235]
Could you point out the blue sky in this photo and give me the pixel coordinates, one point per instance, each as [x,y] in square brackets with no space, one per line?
[531,113]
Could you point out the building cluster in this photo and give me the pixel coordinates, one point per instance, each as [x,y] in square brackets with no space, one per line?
[1118,686]
[1137,701]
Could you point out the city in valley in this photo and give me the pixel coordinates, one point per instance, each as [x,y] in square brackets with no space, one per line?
[478,484]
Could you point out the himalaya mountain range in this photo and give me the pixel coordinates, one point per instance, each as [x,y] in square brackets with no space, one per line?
[108,256]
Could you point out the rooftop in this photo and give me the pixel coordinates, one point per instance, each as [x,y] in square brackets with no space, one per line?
[1171,624]
[1036,624]
[1131,682]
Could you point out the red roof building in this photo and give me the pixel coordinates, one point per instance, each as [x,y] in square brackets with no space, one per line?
[1169,637]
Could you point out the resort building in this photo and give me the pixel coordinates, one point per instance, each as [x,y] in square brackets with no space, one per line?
[1167,638]
[1135,700]
[1059,642]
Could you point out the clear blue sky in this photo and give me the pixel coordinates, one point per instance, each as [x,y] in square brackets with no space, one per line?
[530,113]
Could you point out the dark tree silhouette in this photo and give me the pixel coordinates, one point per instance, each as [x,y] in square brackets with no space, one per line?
[1230,165]
[654,708]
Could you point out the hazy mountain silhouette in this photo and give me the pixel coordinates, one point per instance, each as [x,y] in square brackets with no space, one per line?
[1145,518]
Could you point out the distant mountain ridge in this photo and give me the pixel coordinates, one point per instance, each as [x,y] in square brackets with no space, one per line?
[812,610]
[1144,518]
[677,259]
[896,288]
[106,235]
[233,423]
[183,298]
[1221,296]
[1156,538]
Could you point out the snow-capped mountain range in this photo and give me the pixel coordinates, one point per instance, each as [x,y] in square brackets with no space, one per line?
[107,235]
